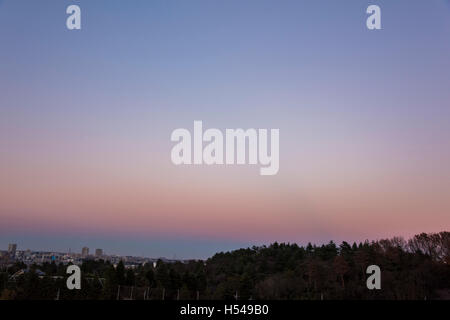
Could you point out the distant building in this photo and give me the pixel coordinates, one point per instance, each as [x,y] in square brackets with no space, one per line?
[85,251]
[98,252]
[12,247]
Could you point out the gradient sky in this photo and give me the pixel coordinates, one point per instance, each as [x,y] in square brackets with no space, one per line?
[86,118]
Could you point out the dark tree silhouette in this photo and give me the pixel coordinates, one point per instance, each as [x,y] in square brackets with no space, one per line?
[415,269]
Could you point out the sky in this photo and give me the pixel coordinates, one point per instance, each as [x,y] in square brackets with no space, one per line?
[86,117]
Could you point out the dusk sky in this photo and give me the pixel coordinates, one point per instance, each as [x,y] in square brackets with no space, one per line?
[86,118]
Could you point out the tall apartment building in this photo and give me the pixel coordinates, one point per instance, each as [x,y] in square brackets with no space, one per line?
[85,251]
[12,247]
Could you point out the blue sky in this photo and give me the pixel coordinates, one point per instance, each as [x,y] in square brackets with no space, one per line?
[91,111]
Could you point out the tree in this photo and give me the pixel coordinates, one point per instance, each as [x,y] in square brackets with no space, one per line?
[150,277]
[120,273]
[130,278]
[341,267]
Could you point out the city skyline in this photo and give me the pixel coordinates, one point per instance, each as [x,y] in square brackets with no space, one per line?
[86,118]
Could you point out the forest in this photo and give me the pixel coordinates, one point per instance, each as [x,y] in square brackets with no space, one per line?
[414,269]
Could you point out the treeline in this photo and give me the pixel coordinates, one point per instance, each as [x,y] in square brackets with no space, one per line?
[415,269]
